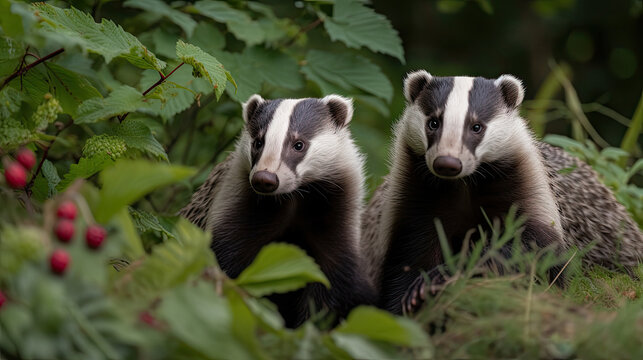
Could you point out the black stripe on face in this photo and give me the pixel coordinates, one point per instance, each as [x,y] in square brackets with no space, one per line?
[432,100]
[308,118]
[485,103]
[258,125]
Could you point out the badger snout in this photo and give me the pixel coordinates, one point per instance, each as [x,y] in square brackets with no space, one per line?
[264,182]
[447,166]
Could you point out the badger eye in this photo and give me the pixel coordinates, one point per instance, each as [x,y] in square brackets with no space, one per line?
[434,124]
[476,128]
[257,144]
[298,146]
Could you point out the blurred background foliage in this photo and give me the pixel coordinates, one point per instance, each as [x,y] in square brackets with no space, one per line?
[94,109]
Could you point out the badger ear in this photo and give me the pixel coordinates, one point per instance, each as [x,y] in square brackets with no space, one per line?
[414,83]
[511,89]
[340,108]
[251,106]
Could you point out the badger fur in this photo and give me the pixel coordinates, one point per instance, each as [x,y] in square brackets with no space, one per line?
[459,147]
[295,176]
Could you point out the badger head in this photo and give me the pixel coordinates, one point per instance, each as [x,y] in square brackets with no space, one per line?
[292,142]
[458,123]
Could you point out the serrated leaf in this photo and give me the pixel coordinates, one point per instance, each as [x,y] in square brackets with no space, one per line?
[85,168]
[138,136]
[10,100]
[73,26]
[237,21]
[122,100]
[11,52]
[257,65]
[205,65]
[129,180]
[161,8]
[207,37]
[356,25]
[280,268]
[171,99]
[71,89]
[144,222]
[51,175]
[171,263]
[332,71]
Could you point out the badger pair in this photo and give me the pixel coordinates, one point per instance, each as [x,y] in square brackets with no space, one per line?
[461,153]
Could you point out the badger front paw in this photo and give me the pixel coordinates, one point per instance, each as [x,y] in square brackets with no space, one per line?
[417,292]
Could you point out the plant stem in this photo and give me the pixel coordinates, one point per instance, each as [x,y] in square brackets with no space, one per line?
[23,70]
[159,82]
[42,160]
[304,30]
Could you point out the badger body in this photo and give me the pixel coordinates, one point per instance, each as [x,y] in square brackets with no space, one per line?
[462,154]
[296,177]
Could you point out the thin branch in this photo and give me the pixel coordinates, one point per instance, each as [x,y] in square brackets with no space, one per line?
[23,70]
[162,78]
[44,157]
[304,30]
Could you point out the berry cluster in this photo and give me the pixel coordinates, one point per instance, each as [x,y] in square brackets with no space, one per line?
[16,172]
[65,229]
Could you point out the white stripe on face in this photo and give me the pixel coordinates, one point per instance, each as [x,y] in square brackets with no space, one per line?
[275,135]
[450,143]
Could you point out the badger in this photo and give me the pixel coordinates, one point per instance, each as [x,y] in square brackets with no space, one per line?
[462,154]
[295,176]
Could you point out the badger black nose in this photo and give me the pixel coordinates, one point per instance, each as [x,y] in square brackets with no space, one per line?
[447,166]
[265,182]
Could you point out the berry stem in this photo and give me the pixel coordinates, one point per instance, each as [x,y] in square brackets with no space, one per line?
[23,70]
[159,82]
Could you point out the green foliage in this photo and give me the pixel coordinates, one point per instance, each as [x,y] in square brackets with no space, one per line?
[106,39]
[204,65]
[280,268]
[120,101]
[112,146]
[357,25]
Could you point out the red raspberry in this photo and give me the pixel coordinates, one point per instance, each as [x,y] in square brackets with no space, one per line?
[2,299]
[95,235]
[59,261]
[27,158]
[16,175]
[64,230]
[67,210]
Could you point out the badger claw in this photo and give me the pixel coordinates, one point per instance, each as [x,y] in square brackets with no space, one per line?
[417,292]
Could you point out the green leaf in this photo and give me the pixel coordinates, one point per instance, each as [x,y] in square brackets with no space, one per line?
[11,53]
[10,101]
[10,23]
[356,25]
[207,37]
[122,100]
[71,89]
[204,65]
[332,71]
[51,175]
[204,321]
[175,261]
[172,95]
[257,65]
[379,325]
[138,136]
[238,22]
[146,222]
[280,268]
[72,26]
[85,168]
[161,8]
[129,180]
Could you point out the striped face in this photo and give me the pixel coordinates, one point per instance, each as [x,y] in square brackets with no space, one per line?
[290,142]
[458,123]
